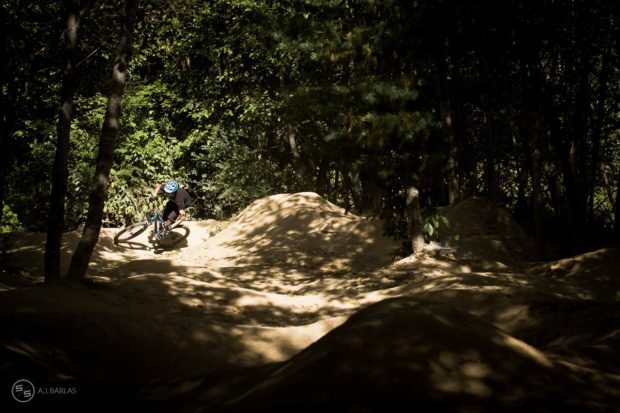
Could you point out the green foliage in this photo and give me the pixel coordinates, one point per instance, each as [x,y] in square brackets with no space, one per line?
[147,150]
[83,153]
[27,183]
[604,208]
[10,220]
[354,100]
[431,226]
[433,222]
[226,175]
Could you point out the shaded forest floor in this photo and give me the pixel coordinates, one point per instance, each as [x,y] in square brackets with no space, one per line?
[295,303]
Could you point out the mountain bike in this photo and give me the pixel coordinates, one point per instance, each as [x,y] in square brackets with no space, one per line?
[160,235]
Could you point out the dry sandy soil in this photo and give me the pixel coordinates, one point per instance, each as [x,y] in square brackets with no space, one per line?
[297,305]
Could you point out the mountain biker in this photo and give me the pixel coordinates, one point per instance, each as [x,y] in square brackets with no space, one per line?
[178,200]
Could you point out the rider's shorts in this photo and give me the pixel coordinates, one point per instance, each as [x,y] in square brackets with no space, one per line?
[171,211]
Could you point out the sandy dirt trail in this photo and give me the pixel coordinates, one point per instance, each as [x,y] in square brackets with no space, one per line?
[292,268]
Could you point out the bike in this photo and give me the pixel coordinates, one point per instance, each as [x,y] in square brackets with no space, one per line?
[160,235]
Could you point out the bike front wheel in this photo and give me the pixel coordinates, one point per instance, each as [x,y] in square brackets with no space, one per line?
[130,232]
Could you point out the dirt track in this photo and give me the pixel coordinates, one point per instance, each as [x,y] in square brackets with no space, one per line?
[292,268]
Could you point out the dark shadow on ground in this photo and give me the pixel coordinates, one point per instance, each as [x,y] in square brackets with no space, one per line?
[402,354]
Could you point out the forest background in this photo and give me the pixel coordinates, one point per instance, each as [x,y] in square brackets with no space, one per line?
[359,101]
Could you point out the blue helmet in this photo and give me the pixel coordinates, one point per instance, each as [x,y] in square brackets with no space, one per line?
[171,187]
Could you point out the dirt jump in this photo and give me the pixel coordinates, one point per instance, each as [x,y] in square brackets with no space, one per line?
[297,304]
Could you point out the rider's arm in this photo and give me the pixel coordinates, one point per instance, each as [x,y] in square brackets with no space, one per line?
[157,189]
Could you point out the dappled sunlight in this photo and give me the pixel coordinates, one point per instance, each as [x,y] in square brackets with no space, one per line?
[450,375]
[406,351]
[306,231]
[279,344]
[523,348]
[306,292]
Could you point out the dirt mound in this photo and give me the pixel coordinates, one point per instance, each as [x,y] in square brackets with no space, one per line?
[481,230]
[413,355]
[592,275]
[305,229]
[602,264]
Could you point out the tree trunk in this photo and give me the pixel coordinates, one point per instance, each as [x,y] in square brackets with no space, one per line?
[323,184]
[553,171]
[81,257]
[534,130]
[617,211]
[60,171]
[595,166]
[520,147]
[462,159]
[521,206]
[8,103]
[302,171]
[4,138]
[372,197]
[534,127]
[353,188]
[451,165]
[491,171]
[560,201]
[442,88]
[414,219]
[583,114]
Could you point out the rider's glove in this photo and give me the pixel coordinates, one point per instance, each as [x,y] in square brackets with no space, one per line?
[152,198]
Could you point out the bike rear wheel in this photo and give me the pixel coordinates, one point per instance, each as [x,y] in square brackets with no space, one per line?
[174,236]
[130,232]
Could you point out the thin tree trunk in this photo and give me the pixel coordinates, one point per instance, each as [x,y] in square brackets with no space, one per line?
[292,141]
[454,194]
[521,207]
[322,178]
[302,171]
[576,163]
[617,211]
[463,169]
[520,147]
[353,188]
[537,198]
[8,102]
[537,142]
[583,115]
[414,219]
[81,257]
[442,86]
[534,131]
[60,171]
[491,171]
[560,201]
[553,171]
[373,196]
[451,165]
[4,137]
[535,126]
[595,166]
